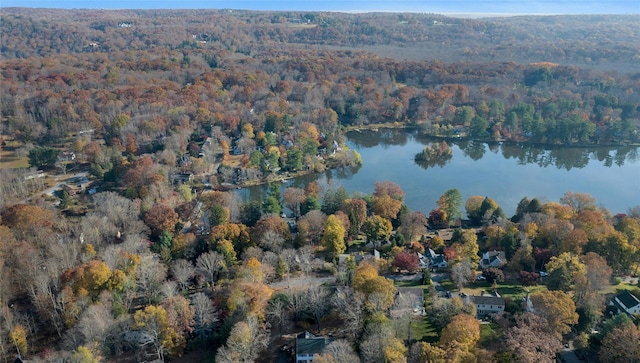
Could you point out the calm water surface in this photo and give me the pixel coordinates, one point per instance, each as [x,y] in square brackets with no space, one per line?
[504,172]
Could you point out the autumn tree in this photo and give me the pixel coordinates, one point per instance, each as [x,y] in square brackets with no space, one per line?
[160,218]
[377,228]
[155,331]
[423,352]
[450,203]
[557,308]
[531,340]
[460,336]
[246,342]
[367,281]
[578,201]
[621,345]
[356,210]
[406,260]
[333,237]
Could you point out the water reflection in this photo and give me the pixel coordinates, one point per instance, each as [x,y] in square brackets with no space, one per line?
[544,156]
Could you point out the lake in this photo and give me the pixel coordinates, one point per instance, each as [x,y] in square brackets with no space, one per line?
[505,172]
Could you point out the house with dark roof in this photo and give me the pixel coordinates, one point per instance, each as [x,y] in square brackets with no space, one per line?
[430,259]
[308,345]
[626,302]
[493,259]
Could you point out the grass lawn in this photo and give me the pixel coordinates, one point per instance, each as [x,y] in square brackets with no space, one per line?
[423,330]
[8,159]
[489,333]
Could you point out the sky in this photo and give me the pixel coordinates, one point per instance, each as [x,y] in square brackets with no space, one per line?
[430,6]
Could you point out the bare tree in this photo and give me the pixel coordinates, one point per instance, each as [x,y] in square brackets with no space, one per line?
[317,303]
[314,220]
[341,351]
[211,263]
[293,198]
[277,311]
[182,270]
[272,241]
[462,273]
[150,275]
[205,314]
[350,307]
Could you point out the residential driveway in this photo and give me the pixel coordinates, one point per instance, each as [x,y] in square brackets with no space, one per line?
[436,278]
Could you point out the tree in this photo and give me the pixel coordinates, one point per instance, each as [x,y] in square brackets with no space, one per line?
[377,228]
[356,209]
[462,272]
[530,339]
[621,345]
[333,200]
[437,218]
[406,260]
[557,308]
[367,281]
[333,237]
[563,271]
[317,303]
[204,313]
[155,332]
[211,263]
[293,198]
[444,309]
[18,337]
[43,157]
[493,274]
[350,308]
[245,343]
[596,278]
[423,352]
[338,351]
[160,218]
[578,201]
[450,203]
[182,270]
[385,206]
[463,330]
[413,225]
[83,354]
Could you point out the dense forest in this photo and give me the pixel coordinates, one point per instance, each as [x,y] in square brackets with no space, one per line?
[123,133]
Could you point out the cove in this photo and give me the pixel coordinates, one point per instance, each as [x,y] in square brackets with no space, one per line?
[506,172]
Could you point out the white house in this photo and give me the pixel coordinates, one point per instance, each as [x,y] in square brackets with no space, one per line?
[627,302]
[487,305]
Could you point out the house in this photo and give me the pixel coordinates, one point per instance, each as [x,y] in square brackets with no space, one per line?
[408,299]
[487,305]
[627,302]
[493,259]
[358,257]
[308,345]
[430,259]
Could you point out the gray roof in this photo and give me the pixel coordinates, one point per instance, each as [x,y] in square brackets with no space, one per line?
[487,300]
[307,343]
